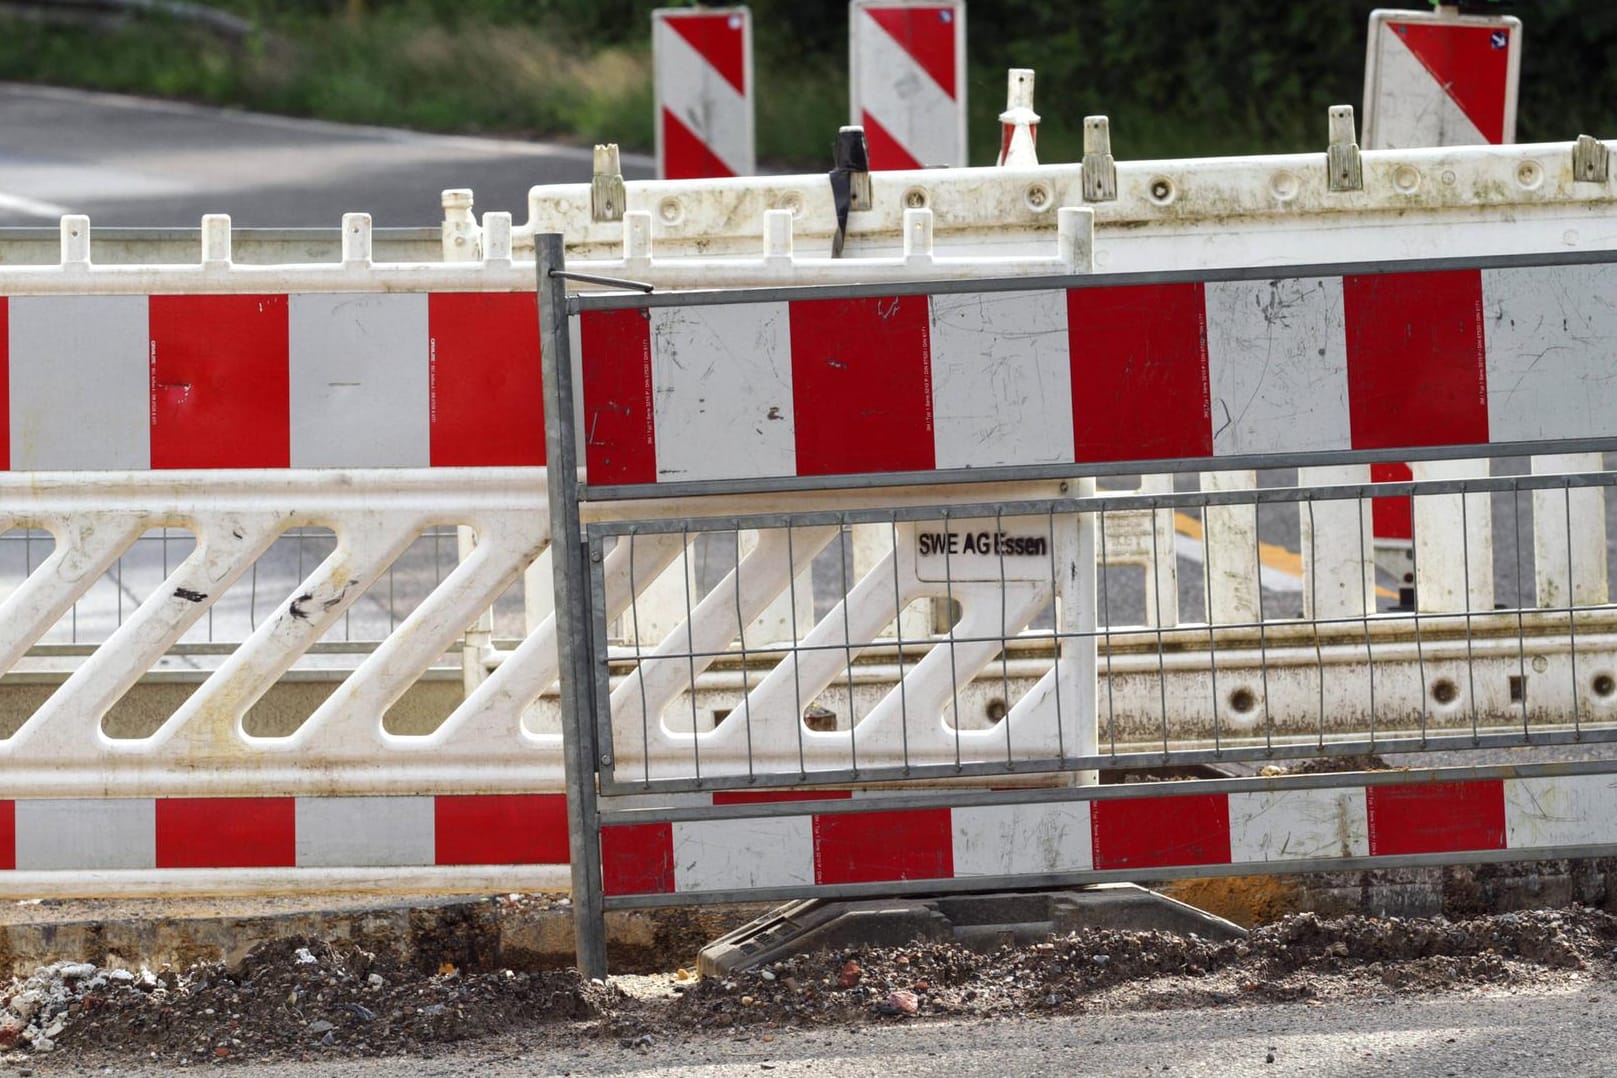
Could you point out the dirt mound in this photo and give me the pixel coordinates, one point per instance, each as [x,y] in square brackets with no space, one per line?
[300,997]
[1299,957]
[304,999]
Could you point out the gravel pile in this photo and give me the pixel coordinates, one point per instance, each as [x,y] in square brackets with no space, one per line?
[1298,958]
[302,999]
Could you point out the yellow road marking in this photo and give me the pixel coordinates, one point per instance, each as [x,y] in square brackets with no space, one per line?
[1270,555]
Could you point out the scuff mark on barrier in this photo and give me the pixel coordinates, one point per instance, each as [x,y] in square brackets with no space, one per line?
[189,596]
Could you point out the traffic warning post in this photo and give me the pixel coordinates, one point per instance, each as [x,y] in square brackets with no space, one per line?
[1440,79]
[702,63]
[1435,78]
[907,81]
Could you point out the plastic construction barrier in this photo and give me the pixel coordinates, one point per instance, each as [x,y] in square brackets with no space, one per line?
[1102,373]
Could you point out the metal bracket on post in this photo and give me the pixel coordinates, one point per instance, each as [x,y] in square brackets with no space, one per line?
[1342,167]
[572,610]
[1100,170]
[850,181]
[608,199]
[1591,160]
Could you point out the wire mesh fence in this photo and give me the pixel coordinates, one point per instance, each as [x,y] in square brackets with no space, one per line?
[983,639]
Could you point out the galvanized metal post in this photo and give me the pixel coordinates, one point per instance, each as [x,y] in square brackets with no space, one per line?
[572,621]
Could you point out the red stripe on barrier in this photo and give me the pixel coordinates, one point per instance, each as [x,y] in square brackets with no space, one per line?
[877,847]
[862,385]
[1469,63]
[500,829]
[488,400]
[8,809]
[1438,817]
[1417,374]
[927,34]
[686,156]
[1154,832]
[718,37]
[762,797]
[5,386]
[620,445]
[220,382]
[1392,518]
[886,152]
[226,832]
[637,859]
[1139,372]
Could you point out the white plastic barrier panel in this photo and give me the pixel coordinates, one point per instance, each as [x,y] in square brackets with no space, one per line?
[907,70]
[1440,79]
[703,76]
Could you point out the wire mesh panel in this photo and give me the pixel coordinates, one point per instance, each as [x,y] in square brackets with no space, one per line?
[1043,662]
[855,696]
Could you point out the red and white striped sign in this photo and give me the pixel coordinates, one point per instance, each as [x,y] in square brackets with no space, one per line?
[908,81]
[1138,835]
[93,834]
[1435,79]
[702,63]
[1440,79]
[803,388]
[319,380]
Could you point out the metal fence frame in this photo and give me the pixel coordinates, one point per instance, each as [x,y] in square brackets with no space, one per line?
[592,782]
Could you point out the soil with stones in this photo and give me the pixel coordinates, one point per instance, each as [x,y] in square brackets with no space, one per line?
[289,999]
[306,999]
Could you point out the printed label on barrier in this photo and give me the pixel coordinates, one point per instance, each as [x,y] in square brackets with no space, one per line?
[1017,548]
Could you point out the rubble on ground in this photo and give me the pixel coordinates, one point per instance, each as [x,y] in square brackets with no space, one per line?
[306,999]
[1300,957]
[287,999]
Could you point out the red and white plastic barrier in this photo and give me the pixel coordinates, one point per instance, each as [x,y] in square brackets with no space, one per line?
[316,380]
[111,834]
[1257,829]
[907,70]
[702,59]
[1104,374]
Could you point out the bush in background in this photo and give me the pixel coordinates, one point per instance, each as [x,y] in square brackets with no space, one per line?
[1177,77]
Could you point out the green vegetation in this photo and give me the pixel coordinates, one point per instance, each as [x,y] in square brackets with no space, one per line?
[1177,77]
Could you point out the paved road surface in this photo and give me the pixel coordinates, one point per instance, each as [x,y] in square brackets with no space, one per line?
[1520,1034]
[136,162]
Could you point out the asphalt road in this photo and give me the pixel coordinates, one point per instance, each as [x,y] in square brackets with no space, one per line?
[135,162]
[1519,1034]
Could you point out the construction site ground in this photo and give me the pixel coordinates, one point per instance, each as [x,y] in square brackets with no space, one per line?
[1526,992]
